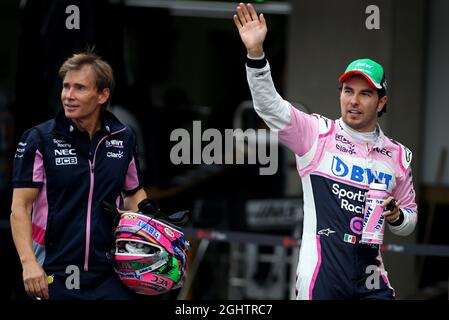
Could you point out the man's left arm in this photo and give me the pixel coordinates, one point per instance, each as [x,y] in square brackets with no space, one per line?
[403,217]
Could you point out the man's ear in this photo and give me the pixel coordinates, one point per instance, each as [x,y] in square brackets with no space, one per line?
[382,102]
[104,96]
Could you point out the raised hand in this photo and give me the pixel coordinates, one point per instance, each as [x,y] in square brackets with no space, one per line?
[252,29]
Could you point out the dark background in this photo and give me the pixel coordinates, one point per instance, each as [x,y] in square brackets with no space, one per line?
[170,70]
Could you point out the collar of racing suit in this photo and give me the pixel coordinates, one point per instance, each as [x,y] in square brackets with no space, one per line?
[109,123]
[375,137]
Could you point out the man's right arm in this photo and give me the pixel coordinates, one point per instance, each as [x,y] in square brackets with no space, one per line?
[27,179]
[270,106]
[297,130]
[34,277]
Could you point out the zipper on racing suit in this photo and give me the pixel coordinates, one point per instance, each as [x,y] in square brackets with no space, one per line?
[89,203]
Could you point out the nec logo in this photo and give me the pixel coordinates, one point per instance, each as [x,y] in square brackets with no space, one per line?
[65,152]
[358,174]
[159,280]
[66,161]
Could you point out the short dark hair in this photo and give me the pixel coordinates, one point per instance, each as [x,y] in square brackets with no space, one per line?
[104,76]
[382,93]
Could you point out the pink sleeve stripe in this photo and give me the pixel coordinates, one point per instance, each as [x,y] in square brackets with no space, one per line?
[317,267]
[132,180]
[40,208]
[38,168]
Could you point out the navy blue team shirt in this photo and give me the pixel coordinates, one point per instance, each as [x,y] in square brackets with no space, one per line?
[75,175]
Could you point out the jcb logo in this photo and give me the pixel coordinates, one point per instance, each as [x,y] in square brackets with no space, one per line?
[66,161]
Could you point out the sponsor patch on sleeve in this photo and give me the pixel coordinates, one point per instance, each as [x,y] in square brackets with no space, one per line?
[406,158]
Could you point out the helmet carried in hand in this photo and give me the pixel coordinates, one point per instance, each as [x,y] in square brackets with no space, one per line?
[150,255]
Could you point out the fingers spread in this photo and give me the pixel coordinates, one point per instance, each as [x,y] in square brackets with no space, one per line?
[237,22]
[246,13]
[252,11]
[241,15]
[262,19]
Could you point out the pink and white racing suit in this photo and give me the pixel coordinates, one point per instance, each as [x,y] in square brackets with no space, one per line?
[336,165]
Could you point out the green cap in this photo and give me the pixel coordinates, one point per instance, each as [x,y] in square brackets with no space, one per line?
[369,69]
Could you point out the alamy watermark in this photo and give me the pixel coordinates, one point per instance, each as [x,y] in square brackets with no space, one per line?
[73,279]
[372,22]
[73,20]
[372,282]
[257,146]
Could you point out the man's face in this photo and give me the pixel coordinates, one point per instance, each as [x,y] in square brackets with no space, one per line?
[360,103]
[80,98]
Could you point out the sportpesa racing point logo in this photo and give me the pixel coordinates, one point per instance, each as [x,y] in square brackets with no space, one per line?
[350,200]
[357,173]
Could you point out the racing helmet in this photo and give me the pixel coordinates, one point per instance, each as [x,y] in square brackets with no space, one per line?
[150,255]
